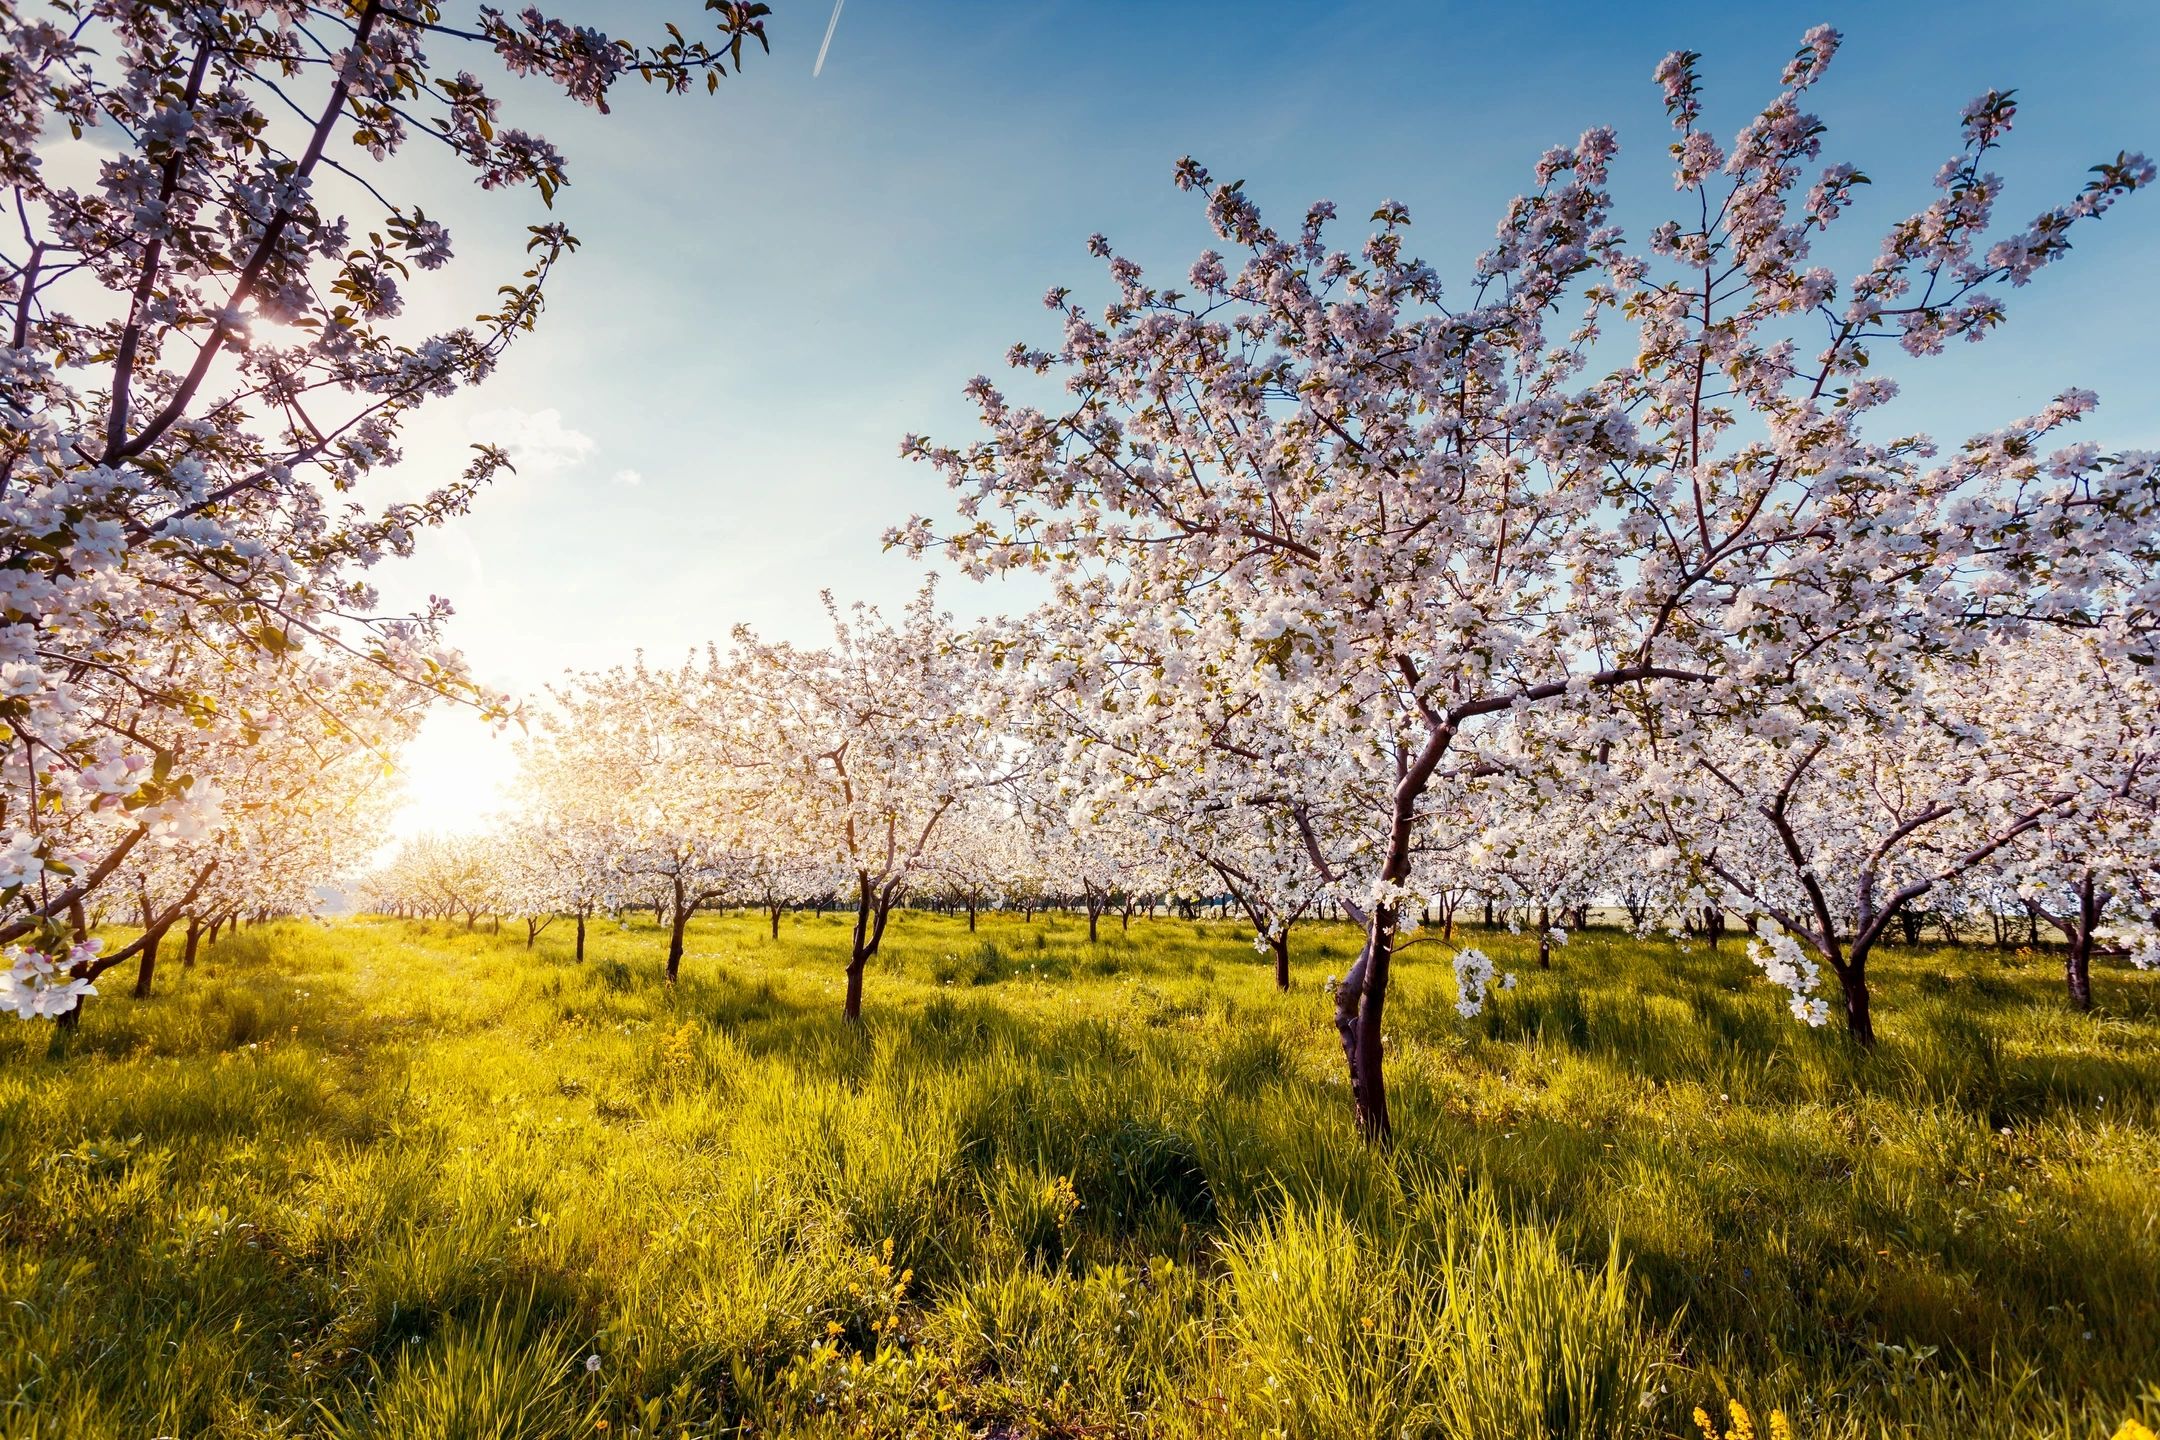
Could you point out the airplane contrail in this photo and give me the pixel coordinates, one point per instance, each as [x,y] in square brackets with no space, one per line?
[830,26]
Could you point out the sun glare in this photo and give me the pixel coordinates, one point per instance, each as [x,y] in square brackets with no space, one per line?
[456,775]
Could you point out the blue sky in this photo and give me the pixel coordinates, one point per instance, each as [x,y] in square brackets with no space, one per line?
[779,281]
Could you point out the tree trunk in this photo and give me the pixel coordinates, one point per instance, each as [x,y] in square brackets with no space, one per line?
[1713,925]
[1852,981]
[194,940]
[146,964]
[1361,999]
[1360,1002]
[774,910]
[971,914]
[1280,944]
[852,1007]
[680,917]
[1488,913]
[1094,913]
[581,937]
[2077,970]
[1544,938]
[2077,965]
[872,906]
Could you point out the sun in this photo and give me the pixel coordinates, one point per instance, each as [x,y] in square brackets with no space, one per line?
[456,773]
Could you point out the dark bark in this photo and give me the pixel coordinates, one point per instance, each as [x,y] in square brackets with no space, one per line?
[194,941]
[774,912]
[1852,982]
[852,1006]
[1713,925]
[2077,971]
[581,937]
[2080,932]
[1280,944]
[146,964]
[1361,999]
[680,917]
[971,914]
[1851,971]
[1360,1003]
[873,907]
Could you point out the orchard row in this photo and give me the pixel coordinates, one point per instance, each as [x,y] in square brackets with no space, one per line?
[1609,572]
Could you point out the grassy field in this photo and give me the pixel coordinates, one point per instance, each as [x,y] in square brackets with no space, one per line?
[388,1179]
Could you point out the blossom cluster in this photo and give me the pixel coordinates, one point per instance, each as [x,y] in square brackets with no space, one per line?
[1474,981]
[36,986]
[1780,958]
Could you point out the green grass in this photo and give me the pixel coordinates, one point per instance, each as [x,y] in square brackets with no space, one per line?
[396,1180]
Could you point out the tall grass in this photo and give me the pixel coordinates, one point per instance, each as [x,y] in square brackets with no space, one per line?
[384,1179]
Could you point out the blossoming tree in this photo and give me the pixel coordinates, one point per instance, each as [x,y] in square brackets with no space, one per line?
[1305,497]
[629,759]
[867,750]
[201,355]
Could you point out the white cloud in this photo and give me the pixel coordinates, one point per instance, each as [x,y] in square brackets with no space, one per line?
[628,477]
[538,441]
